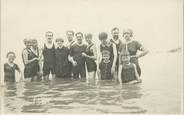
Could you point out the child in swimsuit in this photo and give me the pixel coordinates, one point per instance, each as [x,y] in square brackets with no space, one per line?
[108,57]
[62,65]
[127,70]
[10,67]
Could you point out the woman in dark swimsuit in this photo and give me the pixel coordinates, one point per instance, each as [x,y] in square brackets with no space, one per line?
[36,64]
[108,57]
[128,72]
[30,61]
[132,47]
[91,56]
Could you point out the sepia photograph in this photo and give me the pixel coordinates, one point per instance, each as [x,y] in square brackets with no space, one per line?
[91,56]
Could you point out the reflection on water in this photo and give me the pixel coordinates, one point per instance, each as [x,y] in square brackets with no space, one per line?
[151,96]
[66,96]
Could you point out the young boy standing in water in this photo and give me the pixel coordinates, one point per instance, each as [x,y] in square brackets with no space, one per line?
[10,67]
[108,57]
[76,58]
[49,58]
[62,65]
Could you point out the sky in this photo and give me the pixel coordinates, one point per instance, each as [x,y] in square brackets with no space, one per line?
[157,24]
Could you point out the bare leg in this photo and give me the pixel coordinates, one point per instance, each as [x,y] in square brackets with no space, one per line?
[34,78]
[115,76]
[46,77]
[53,76]
[91,77]
[119,74]
[136,74]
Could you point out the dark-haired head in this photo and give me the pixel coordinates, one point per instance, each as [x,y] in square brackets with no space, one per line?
[88,38]
[49,33]
[49,36]
[70,35]
[10,53]
[115,33]
[79,34]
[103,36]
[79,37]
[11,56]
[115,29]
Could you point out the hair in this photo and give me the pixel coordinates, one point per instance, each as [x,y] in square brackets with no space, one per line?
[70,31]
[59,39]
[89,35]
[27,40]
[10,52]
[103,35]
[128,31]
[79,33]
[34,40]
[115,28]
[49,32]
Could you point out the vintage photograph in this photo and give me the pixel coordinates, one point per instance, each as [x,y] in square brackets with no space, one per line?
[91,56]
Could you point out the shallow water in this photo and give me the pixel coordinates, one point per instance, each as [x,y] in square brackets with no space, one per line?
[160,92]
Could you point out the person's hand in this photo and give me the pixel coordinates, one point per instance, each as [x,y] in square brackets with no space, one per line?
[74,63]
[112,69]
[84,54]
[37,59]
[134,56]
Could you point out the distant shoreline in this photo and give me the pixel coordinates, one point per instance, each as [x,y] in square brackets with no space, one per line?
[175,50]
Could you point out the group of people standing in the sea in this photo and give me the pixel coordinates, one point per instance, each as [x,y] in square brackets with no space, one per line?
[114,60]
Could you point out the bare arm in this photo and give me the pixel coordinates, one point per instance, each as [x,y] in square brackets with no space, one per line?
[143,53]
[94,52]
[99,59]
[119,73]
[70,59]
[41,58]
[25,57]
[115,55]
[136,73]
